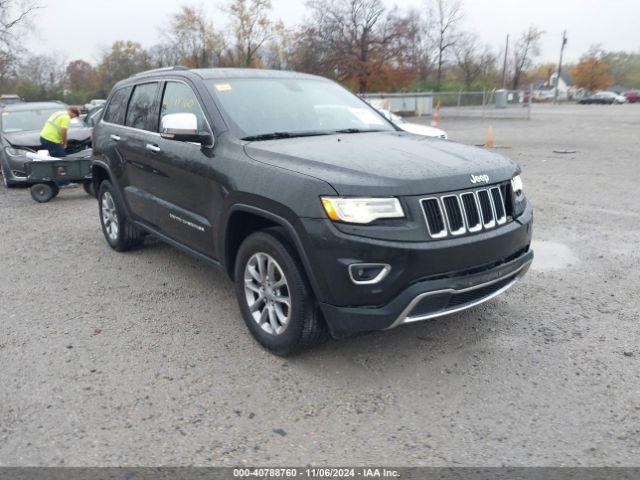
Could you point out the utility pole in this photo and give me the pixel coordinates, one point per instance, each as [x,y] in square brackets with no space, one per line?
[564,43]
[504,66]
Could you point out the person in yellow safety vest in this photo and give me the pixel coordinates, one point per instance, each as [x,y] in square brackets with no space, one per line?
[53,136]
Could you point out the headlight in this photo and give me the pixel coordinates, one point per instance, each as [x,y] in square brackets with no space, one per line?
[519,201]
[15,152]
[361,210]
[516,185]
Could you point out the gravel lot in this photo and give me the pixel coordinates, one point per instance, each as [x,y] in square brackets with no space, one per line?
[142,358]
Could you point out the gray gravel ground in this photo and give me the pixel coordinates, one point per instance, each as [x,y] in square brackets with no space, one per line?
[142,358]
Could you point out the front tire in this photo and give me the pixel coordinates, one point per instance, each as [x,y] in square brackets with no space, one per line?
[276,303]
[120,233]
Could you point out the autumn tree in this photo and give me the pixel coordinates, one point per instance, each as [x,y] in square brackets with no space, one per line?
[353,39]
[123,59]
[446,16]
[592,72]
[526,49]
[80,75]
[191,40]
[251,28]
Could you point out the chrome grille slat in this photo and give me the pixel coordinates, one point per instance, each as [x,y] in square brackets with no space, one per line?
[498,205]
[453,213]
[433,214]
[471,211]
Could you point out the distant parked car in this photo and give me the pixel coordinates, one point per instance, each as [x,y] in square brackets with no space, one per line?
[8,99]
[20,127]
[603,98]
[93,116]
[632,96]
[96,102]
[415,128]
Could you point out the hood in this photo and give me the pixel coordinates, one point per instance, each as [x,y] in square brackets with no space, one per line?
[384,163]
[424,130]
[24,139]
[31,139]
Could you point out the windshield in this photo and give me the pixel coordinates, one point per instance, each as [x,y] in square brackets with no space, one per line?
[268,105]
[25,120]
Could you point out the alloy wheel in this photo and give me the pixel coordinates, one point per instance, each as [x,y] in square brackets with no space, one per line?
[267,293]
[110,216]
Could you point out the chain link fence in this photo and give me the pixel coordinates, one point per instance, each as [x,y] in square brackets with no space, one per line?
[515,104]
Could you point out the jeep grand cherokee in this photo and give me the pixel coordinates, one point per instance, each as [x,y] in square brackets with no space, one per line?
[327,217]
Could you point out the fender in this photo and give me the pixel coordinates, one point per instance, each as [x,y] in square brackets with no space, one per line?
[96,163]
[293,234]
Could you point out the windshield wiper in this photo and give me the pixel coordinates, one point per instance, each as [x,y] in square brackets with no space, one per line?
[357,130]
[278,135]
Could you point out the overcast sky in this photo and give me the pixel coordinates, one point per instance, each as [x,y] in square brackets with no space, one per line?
[82,29]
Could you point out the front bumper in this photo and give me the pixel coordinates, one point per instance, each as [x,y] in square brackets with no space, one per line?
[429,299]
[426,279]
[14,170]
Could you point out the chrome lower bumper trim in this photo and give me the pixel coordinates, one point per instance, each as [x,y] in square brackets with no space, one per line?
[405,318]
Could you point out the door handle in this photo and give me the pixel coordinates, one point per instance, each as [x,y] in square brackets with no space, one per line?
[115,138]
[152,148]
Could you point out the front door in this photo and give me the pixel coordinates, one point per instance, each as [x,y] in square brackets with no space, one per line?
[185,183]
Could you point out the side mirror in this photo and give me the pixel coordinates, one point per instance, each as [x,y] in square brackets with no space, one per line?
[183,127]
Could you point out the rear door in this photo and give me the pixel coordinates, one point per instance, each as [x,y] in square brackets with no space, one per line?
[140,130]
[108,136]
[187,186]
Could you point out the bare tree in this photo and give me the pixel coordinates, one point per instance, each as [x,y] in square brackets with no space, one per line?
[13,15]
[252,28]
[526,49]
[279,51]
[191,39]
[445,18]
[473,60]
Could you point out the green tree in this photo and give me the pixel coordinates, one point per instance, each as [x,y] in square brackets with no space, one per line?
[625,68]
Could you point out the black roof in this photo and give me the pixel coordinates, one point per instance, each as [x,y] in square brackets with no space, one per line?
[17,107]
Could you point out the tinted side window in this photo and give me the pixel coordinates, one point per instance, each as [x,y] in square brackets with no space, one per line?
[117,106]
[180,98]
[141,107]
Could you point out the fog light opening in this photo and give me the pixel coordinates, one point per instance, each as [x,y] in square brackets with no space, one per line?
[368,273]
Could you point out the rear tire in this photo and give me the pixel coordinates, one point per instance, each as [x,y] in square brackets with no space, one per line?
[120,233]
[89,188]
[43,192]
[275,301]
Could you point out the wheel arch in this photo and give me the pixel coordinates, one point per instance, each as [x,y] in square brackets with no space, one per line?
[243,220]
[100,172]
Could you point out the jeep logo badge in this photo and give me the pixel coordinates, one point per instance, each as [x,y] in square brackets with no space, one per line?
[479,178]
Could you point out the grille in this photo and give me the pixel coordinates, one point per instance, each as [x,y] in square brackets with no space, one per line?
[466,212]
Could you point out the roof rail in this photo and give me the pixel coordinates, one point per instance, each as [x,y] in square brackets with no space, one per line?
[163,69]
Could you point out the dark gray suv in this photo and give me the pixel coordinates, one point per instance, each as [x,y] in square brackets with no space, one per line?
[326,216]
